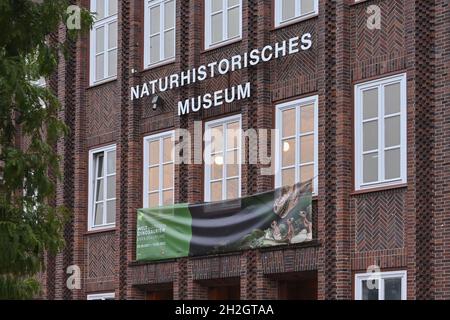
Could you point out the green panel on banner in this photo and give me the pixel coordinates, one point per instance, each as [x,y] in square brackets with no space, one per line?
[163,233]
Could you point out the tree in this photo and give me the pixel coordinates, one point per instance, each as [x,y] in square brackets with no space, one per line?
[29,225]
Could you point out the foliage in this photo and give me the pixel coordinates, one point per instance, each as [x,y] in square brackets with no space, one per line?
[29,224]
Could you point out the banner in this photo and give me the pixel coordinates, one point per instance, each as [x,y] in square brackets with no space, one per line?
[278,217]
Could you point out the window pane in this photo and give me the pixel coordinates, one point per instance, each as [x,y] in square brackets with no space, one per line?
[169,15]
[154,20]
[232,3]
[167,197]
[168,149]
[370,165]
[306,173]
[288,9]
[288,155]
[169,44]
[217,167]
[100,67]
[307,6]
[370,136]
[233,22]
[153,184]
[288,177]
[233,133]
[307,149]
[98,215]
[100,191]
[216,28]
[154,152]
[153,200]
[111,187]
[112,35]
[216,191]
[168,176]
[216,139]
[100,40]
[370,104]
[393,289]
[111,162]
[307,119]
[232,164]
[232,188]
[112,7]
[112,63]
[99,159]
[154,49]
[392,164]
[100,10]
[111,211]
[216,5]
[372,293]
[392,99]
[392,134]
[288,125]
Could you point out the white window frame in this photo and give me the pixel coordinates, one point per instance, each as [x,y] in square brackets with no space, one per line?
[298,16]
[359,170]
[101,296]
[208,160]
[160,137]
[92,188]
[360,277]
[104,22]
[148,5]
[208,26]
[297,104]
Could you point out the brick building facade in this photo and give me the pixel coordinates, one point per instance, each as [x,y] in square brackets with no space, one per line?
[402,226]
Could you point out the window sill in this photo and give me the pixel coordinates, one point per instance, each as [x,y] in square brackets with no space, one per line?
[379,188]
[222,44]
[355,2]
[159,64]
[295,21]
[102,82]
[101,230]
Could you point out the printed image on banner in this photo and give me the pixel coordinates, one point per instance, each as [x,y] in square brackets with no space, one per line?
[279,217]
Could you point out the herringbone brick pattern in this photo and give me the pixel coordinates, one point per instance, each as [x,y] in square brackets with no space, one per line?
[390,39]
[101,252]
[291,67]
[104,108]
[379,221]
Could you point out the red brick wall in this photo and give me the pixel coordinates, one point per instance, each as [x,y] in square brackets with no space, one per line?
[348,238]
[441,85]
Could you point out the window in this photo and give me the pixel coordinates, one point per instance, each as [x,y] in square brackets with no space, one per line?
[40,83]
[380,132]
[381,286]
[102,188]
[287,11]
[297,142]
[223,21]
[159,44]
[101,296]
[159,169]
[103,44]
[223,159]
